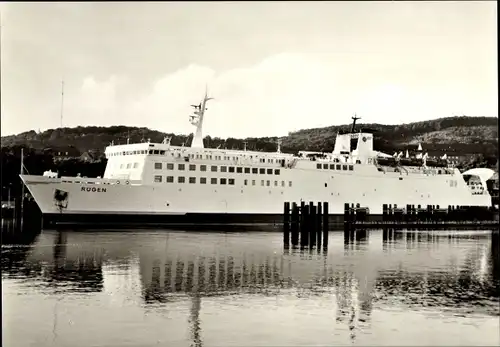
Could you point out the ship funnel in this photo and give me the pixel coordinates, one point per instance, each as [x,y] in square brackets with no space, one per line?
[364,148]
[342,144]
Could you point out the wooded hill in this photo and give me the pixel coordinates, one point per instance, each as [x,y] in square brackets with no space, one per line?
[453,135]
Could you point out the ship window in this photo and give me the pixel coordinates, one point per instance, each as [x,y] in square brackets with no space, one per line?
[289,183]
[223,181]
[213,168]
[203,168]
[156,151]
[344,167]
[231,181]
[269,171]
[223,169]
[262,171]
[253,182]
[192,179]
[268,183]
[121,166]
[181,167]
[129,165]
[162,152]
[192,167]
[157,166]
[158,179]
[262,183]
[351,167]
[276,171]
[245,182]
[325,166]
[255,170]
[203,180]
[275,183]
[332,166]
[136,165]
[231,169]
[358,161]
[181,179]
[170,179]
[247,170]
[239,169]
[318,166]
[150,151]
[213,180]
[282,183]
[339,167]
[170,166]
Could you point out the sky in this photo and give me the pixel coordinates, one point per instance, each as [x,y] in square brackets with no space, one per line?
[272,67]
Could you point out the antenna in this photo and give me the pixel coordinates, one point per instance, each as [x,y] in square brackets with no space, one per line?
[354,119]
[62,100]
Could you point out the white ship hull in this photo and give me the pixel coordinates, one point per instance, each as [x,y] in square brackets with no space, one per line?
[171,201]
[153,182]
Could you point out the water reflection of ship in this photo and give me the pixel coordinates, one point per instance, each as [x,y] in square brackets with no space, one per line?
[197,266]
[63,268]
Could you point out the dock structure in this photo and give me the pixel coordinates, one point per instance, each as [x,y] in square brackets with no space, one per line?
[306,224]
[420,216]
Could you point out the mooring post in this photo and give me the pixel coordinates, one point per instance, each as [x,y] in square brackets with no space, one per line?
[312,224]
[319,215]
[286,224]
[304,237]
[325,225]
[295,224]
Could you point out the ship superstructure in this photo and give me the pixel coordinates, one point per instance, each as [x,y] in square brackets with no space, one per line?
[179,184]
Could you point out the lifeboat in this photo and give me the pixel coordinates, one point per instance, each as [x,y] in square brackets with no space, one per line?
[386,161]
[436,163]
[411,162]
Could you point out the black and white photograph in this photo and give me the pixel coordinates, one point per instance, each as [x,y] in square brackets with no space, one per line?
[249,173]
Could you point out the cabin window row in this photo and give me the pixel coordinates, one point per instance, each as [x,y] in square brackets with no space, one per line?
[215,168]
[192,180]
[129,166]
[343,167]
[215,180]
[267,183]
[192,156]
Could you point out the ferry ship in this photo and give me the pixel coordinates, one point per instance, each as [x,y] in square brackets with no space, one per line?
[158,183]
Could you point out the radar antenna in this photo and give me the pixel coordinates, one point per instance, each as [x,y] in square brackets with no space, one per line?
[354,119]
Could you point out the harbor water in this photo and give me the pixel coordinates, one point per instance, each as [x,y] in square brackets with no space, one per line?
[210,288]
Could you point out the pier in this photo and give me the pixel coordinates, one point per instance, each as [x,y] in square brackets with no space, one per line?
[419,216]
[306,225]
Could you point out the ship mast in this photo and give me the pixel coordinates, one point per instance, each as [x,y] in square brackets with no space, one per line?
[354,119]
[197,120]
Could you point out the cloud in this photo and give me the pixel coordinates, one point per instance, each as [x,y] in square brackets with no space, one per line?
[282,93]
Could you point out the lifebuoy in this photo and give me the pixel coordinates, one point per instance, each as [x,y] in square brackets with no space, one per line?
[117,182]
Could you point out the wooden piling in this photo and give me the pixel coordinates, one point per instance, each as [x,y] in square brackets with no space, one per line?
[304,227]
[312,224]
[325,224]
[319,219]
[286,224]
[294,227]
